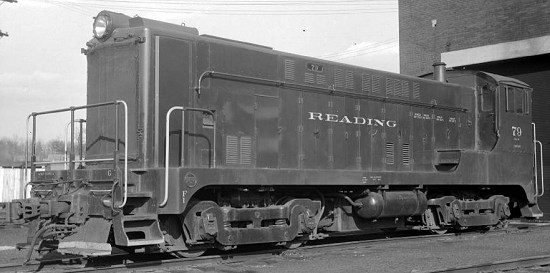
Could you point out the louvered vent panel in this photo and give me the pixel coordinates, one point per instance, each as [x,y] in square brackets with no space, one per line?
[310,78]
[406,154]
[349,80]
[290,70]
[321,79]
[366,83]
[246,150]
[390,153]
[389,87]
[397,88]
[405,90]
[339,78]
[231,150]
[416,90]
[375,84]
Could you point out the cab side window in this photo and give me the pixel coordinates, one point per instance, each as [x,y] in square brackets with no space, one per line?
[517,100]
[487,98]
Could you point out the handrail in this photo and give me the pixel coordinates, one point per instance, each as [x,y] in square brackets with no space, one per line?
[125,152]
[316,89]
[541,169]
[535,144]
[38,163]
[72,109]
[65,139]
[167,148]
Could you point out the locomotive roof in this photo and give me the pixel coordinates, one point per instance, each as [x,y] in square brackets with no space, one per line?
[497,78]
[506,80]
[173,28]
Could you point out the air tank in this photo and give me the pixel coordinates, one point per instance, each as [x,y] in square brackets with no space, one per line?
[391,204]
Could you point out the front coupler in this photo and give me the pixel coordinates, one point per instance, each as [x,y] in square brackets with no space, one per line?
[21,211]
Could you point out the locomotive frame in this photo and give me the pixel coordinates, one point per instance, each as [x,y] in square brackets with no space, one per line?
[272,147]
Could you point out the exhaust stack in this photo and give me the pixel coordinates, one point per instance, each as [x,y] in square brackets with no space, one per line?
[439,71]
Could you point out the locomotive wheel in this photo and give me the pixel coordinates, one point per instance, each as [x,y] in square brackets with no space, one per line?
[439,231]
[294,244]
[192,253]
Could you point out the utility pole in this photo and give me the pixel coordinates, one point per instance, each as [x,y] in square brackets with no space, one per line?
[2,34]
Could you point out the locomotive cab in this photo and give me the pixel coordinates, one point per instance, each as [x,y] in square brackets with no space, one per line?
[503,106]
[505,128]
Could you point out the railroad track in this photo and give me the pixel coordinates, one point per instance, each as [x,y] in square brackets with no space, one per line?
[135,262]
[526,264]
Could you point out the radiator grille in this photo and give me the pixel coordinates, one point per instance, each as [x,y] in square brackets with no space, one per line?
[389,87]
[321,79]
[339,78]
[246,150]
[231,149]
[309,78]
[397,88]
[416,90]
[238,150]
[349,80]
[366,83]
[405,90]
[406,154]
[390,153]
[290,70]
[375,84]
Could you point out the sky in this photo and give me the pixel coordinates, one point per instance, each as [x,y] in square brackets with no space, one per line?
[42,68]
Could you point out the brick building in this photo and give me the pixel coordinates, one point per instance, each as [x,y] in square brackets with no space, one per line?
[454,31]
[511,38]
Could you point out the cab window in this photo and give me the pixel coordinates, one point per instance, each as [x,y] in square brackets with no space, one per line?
[517,100]
[487,97]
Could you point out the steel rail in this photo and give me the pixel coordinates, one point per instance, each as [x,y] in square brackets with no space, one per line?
[498,266]
[230,256]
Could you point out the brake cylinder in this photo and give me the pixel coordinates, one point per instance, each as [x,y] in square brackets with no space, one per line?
[391,204]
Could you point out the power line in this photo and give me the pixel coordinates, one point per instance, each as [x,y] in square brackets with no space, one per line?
[357,49]
[391,45]
[76,9]
[257,8]
[248,3]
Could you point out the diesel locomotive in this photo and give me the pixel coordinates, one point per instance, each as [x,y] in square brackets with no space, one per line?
[196,142]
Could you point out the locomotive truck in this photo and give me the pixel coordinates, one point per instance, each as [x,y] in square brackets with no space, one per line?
[196,142]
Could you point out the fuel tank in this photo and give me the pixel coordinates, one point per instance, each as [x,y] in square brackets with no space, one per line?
[391,204]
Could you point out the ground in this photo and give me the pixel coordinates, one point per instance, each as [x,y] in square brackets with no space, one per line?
[393,256]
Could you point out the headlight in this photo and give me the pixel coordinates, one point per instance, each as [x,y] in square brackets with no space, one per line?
[103,25]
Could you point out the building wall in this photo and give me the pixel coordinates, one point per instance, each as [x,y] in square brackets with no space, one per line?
[464,24]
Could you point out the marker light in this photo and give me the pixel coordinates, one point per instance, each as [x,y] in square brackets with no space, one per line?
[102,26]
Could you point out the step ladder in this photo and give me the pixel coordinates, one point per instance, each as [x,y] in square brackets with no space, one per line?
[137,222]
